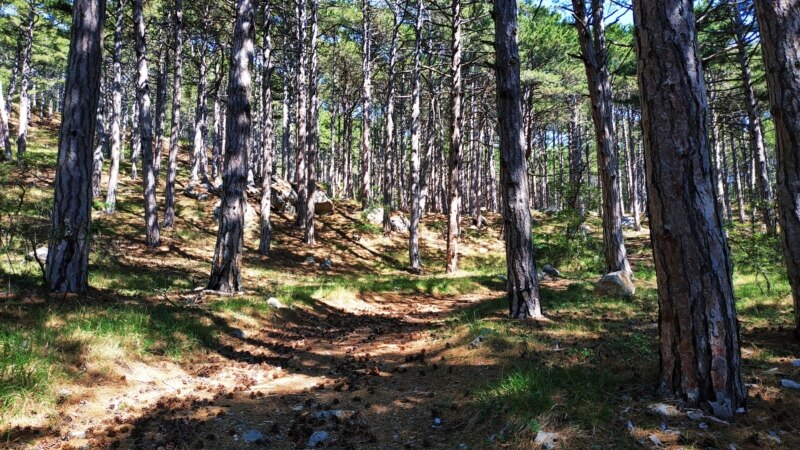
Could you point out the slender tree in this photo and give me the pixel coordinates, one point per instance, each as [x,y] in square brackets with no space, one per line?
[454,159]
[313,127]
[5,144]
[779,22]
[700,357]
[25,81]
[268,133]
[365,192]
[172,161]
[522,285]
[390,128]
[116,111]
[226,267]
[68,249]
[145,120]
[416,209]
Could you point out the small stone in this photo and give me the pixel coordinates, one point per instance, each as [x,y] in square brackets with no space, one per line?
[477,342]
[552,271]
[630,426]
[796,363]
[331,413]
[702,426]
[275,303]
[663,409]
[238,334]
[79,434]
[437,421]
[546,440]
[655,440]
[791,384]
[310,260]
[317,438]
[253,436]
[773,436]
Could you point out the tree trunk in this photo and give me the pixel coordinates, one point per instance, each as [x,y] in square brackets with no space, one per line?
[522,285]
[161,102]
[175,124]
[575,153]
[68,249]
[365,191]
[700,357]
[633,174]
[301,171]
[226,267]
[415,261]
[313,127]
[779,22]
[591,33]
[116,112]
[454,161]
[268,135]
[199,155]
[4,130]
[25,80]
[153,235]
[755,127]
[99,148]
[388,178]
[737,178]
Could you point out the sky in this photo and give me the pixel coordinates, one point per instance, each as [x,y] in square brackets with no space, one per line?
[625,18]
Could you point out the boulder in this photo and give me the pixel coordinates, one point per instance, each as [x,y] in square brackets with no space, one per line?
[323,205]
[284,197]
[193,191]
[40,254]
[552,271]
[374,216]
[615,284]
[250,216]
[628,223]
[399,224]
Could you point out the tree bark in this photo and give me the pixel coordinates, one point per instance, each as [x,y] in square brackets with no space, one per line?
[313,127]
[175,123]
[268,136]
[388,178]
[454,160]
[153,234]
[301,170]
[591,33]
[161,102]
[226,267]
[4,130]
[365,192]
[700,356]
[68,249]
[25,80]
[199,154]
[779,22]
[522,285]
[415,261]
[116,112]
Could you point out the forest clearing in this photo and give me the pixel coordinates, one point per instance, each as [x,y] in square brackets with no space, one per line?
[399,224]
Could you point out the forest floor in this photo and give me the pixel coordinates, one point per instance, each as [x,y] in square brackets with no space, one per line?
[363,354]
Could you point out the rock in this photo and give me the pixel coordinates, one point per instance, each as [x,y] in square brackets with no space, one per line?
[192,191]
[702,426]
[628,223]
[79,434]
[310,260]
[655,440]
[399,224]
[791,384]
[40,254]
[615,284]
[546,440]
[480,223]
[332,413]
[663,409]
[238,334]
[253,436]
[502,278]
[773,436]
[540,275]
[325,265]
[374,216]
[283,196]
[275,303]
[323,206]
[796,363]
[552,271]
[437,421]
[317,438]
[477,342]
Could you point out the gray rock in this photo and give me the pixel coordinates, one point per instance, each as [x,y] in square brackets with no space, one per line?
[615,284]
[552,271]
[655,440]
[663,409]
[323,206]
[325,265]
[283,197]
[374,216]
[399,224]
[275,303]
[628,223]
[193,191]
[477,342]
[546,440]
[238,334]
[310,260]
[790,384]
[40,253]
[253,436]
[317,438]
[332,414]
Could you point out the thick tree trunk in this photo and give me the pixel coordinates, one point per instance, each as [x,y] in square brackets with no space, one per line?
[779,22]
[522,285]
[175,124]
[226,267]
[755,126]
[268,135]
[700,358]
[591,33]
[415,261]
[145,120]
[454,161]
[116,112]
[365,191]
[68,250]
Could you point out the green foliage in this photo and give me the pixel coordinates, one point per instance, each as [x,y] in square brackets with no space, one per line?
[563,243]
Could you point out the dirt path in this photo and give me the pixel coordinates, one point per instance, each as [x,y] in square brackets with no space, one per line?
[368,376]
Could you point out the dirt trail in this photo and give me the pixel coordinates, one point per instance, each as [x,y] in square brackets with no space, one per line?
[366,376]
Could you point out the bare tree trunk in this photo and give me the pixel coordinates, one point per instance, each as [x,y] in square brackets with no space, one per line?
[116,112]
[754,124]
[737,178]
[4,130]
[365,192]
[522,285]
[68,249]
[591,33]
[175,125]
[388,178]
[633,174]
[313,127]
[301,172]
[25,80]
[415,261]
[454,161]
[153,235]
[575,153]
[161,102]
[700,356]
[268,135]
[99,148]
[199,155]
[779,22]
[226,267]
